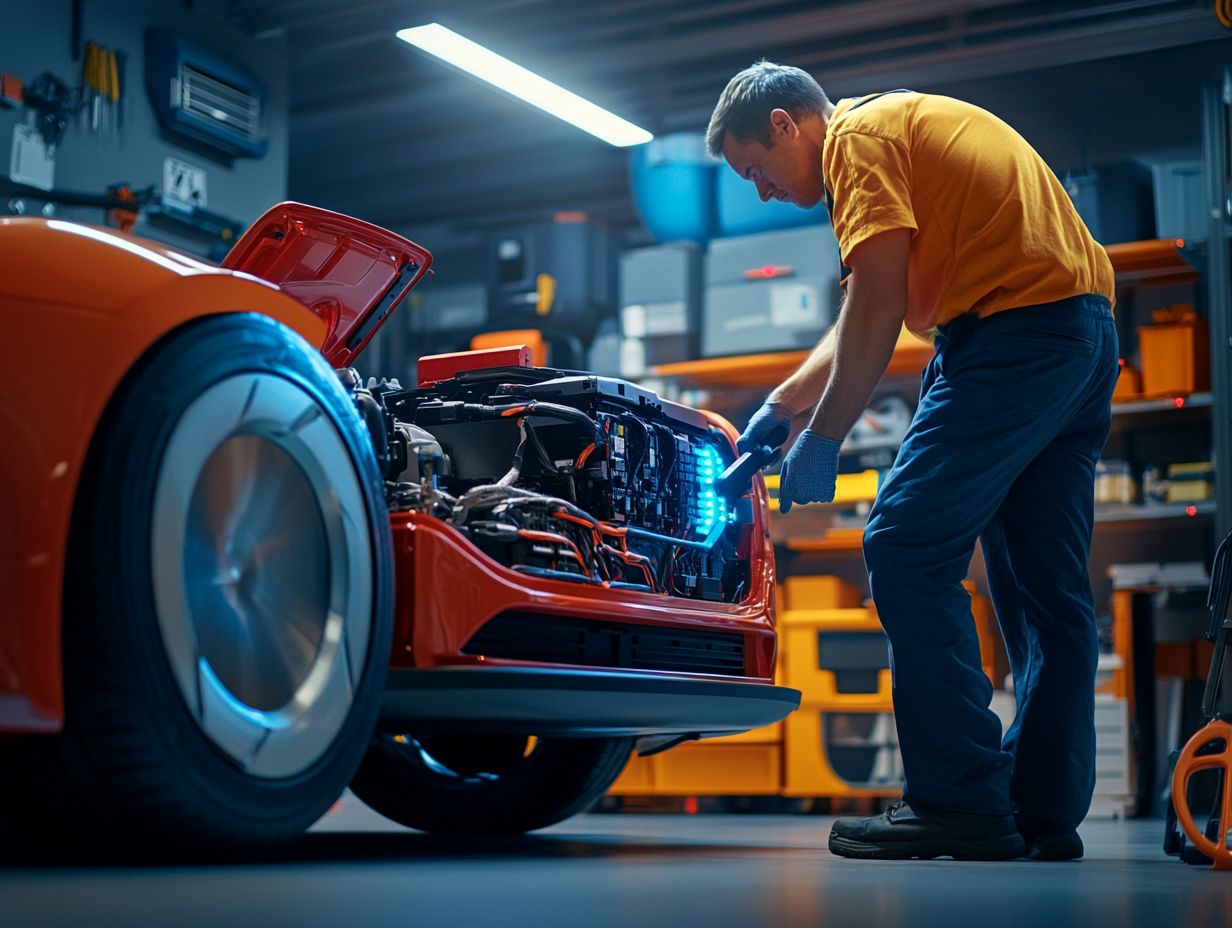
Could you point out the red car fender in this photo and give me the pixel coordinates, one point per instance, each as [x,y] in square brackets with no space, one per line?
[79,306]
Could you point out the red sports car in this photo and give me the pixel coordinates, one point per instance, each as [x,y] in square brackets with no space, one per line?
[238,579]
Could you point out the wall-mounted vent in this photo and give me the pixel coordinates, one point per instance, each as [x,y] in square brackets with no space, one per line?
[201,95]
[226,107]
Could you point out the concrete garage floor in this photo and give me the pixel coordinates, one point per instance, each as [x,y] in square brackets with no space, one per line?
[625,870]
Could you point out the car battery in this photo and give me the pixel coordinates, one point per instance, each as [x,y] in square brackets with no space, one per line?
[770,292]
[660,305]
[557,275]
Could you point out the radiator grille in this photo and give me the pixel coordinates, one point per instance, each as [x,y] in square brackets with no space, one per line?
[548,639]
[237,111]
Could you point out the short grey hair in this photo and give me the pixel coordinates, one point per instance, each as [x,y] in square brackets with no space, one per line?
[744,107]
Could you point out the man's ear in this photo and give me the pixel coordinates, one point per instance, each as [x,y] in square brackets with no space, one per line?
[781,124]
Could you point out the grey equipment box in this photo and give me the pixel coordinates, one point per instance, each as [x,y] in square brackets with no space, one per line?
[434,307]
[580,256]
[661,301]
[770,292]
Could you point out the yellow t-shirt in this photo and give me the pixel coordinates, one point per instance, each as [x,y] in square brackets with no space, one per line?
[992,228]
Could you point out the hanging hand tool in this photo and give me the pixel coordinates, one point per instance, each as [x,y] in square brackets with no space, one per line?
[110,83]
[121,59]
[87,85]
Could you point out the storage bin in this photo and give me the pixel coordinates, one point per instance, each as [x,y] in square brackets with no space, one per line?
[837,658]
[1180,201]
[842,754]
[1191,482]
[1115,483]
[821,592]
[1116,201]
[1175,352]
[672,179]
[741,211]
[1128,385]
[660,304]
[705,769]
[1112,753]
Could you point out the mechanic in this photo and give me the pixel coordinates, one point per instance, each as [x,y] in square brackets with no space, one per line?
[950,223]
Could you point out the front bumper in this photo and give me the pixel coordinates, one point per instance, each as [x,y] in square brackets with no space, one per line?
[447,590]
[577,703]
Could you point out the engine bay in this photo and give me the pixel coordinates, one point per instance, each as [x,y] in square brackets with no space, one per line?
[566,476]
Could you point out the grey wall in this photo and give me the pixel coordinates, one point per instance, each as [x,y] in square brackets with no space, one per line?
[1145,106]
[34,37]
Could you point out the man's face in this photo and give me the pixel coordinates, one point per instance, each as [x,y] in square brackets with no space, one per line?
[789,170]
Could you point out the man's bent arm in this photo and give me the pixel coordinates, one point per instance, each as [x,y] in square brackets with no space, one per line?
[866,331]
[803,388]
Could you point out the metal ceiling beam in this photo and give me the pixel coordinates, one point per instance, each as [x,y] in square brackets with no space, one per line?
[873,64]
[648,45]
[623,97]
[486,175]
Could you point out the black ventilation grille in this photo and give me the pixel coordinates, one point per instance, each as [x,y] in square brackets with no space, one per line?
[527,636]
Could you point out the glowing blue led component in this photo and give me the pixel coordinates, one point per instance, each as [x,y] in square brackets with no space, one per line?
[711,509]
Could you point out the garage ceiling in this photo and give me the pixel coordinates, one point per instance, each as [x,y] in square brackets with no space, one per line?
[383,131]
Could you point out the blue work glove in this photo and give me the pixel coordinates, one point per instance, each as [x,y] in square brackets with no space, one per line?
[770,425]
[808,471]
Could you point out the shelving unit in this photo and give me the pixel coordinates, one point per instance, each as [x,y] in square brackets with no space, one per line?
[843,540]
[1165,405]
[752,371]
[1158,260]
[1147,512]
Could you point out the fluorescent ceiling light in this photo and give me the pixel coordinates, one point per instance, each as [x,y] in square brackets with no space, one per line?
[514,79]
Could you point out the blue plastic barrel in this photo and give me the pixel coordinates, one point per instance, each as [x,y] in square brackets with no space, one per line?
[673,187]
[741,211]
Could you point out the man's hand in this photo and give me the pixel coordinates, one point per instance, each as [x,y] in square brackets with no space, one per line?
[770,425]
[809,471]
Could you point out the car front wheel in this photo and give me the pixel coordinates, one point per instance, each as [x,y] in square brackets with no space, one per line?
[227,600]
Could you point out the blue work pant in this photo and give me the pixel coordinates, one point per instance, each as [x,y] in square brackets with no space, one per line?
[1014,411]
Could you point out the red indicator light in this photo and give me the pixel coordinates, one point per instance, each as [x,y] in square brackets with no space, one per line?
[1178,402]
[690,805]
[1191,510]
[1121,362]
[1180,243]
[767,271]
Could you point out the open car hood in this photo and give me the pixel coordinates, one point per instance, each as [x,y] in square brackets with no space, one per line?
[350,273]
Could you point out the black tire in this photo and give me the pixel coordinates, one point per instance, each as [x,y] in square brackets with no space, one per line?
[474,786]
[132,752]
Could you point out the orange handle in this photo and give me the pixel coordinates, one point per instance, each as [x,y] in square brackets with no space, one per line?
[1190,763]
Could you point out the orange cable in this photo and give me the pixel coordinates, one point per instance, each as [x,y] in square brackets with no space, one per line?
[536,535]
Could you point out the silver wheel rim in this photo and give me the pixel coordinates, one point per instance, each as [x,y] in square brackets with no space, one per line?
[262,570]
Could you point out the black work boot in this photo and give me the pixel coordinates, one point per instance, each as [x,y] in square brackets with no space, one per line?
[1048,842]
[901,833]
